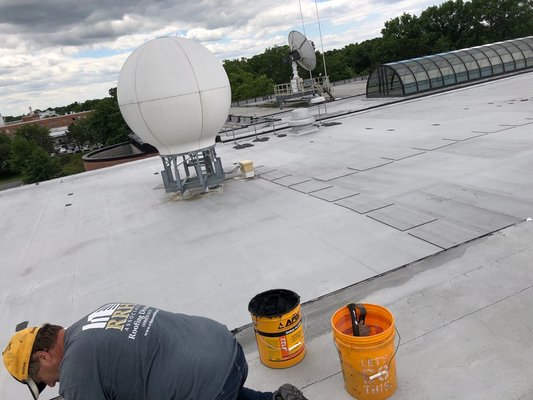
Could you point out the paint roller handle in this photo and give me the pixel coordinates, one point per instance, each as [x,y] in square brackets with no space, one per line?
[357,319]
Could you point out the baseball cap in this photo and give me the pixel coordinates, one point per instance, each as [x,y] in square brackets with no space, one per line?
[17,358]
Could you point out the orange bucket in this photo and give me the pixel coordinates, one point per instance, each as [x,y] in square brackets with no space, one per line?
[276,315]
[367,362]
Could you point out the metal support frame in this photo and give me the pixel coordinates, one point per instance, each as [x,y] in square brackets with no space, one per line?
[199,169]
[309,87]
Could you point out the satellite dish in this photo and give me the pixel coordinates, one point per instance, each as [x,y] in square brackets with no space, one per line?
[302,51]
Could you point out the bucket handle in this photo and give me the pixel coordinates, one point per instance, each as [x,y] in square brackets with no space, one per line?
[386,370]
[383,372]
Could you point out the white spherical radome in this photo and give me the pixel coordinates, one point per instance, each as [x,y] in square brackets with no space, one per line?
[174,94]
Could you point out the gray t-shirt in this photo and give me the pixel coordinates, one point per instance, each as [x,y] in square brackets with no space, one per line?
[130,351]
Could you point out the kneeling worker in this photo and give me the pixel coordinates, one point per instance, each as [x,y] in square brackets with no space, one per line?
[127,351]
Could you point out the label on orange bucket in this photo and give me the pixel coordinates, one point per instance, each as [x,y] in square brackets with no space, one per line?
[281,342]
[284,345]
[276,315]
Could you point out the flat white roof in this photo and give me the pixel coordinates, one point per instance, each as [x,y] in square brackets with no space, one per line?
[382,189]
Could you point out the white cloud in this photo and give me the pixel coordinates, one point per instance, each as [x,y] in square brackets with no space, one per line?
[206,35]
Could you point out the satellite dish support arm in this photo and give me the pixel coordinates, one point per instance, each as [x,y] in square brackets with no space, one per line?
[296,81]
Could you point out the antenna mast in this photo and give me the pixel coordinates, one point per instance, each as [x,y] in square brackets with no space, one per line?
[302,16]
[303,28]
[321,43]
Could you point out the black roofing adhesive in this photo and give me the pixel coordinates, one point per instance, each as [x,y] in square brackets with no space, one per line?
[273,303]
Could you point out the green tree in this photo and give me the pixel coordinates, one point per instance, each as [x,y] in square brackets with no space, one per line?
[337,65]
[442,26]
[272,63]
[365,56]
[80,133]
[40,167]
[21,148]
[403,39]
[5,151]
[505,19]
[244,82]
[105,125]
[32,161]
[40,135]
[70,163]
[245,85]
[235,66]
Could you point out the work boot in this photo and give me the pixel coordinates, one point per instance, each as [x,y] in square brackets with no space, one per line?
[288,392]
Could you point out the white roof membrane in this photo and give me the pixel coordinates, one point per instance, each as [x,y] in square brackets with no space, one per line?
[330,209]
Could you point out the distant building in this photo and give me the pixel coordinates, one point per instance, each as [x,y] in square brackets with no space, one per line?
[62,121]
[48,114]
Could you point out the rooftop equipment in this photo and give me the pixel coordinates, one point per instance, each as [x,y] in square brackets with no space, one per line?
[302,53]
[175,95]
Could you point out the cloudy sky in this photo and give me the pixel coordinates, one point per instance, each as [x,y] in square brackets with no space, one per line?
[55,52]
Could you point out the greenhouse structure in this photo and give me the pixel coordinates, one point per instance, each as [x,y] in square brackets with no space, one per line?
[403,78]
